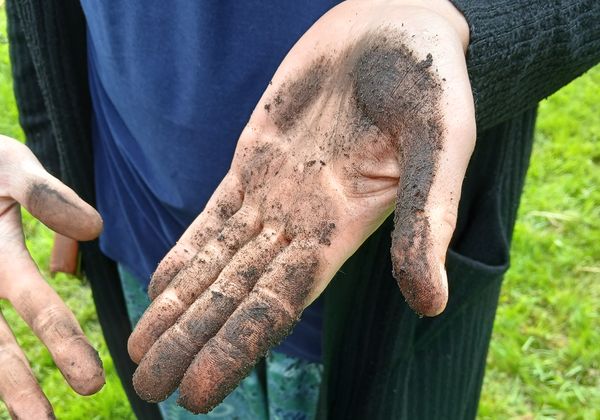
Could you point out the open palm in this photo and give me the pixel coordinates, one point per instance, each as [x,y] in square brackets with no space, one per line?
[371,111]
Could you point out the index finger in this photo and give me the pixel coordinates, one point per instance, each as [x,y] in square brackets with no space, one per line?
[46,198]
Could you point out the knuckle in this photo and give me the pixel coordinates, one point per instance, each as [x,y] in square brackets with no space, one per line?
[8,355]
[449,218]
[54,323]
[276,302]
[246,217]
[25,395]
[46,318]
[212,251]
[273,236]
[169,267]
[29,404]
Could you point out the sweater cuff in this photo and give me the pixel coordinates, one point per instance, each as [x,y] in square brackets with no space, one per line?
[522,51]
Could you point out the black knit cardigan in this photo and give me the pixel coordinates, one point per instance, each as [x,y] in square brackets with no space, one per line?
[520,52]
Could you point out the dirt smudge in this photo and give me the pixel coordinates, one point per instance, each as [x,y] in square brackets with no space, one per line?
[296,96]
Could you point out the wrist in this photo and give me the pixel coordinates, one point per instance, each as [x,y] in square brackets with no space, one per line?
[446,10]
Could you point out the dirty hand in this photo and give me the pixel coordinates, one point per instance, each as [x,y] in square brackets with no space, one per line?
[24,181]
[370,111]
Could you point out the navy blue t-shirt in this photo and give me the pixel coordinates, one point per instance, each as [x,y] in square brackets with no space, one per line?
[172,85]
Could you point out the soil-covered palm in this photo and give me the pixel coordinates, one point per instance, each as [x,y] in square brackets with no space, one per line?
[370,110]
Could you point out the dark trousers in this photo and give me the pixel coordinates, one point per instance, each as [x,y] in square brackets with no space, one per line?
[423,368]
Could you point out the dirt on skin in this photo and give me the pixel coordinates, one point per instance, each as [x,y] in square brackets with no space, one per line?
[387,101]
[172,353]
[175,349]
[55,209]
[384,100]
[78,361]
[388,96]
[298,95]
[62,212]
[262,322]
[411,115]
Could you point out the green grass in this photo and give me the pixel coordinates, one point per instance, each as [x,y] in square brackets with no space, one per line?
[544,360]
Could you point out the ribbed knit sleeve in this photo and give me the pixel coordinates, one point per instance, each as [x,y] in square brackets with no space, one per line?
[522,51]
[33,116]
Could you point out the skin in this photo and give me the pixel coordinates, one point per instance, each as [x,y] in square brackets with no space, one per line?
[23,181]
[371,112]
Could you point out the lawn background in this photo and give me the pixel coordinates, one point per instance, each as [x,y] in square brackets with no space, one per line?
[544,360]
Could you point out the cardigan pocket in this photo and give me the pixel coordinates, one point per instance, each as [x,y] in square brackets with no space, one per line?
[475,264]
[470,283]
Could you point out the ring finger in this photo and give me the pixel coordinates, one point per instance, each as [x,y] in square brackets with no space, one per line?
[18,387]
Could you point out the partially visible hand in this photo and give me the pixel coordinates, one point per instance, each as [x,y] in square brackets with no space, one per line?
[24,181]
[370,111]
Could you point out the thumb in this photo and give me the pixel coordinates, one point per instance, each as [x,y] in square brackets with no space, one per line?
[49,200]
[426,212]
